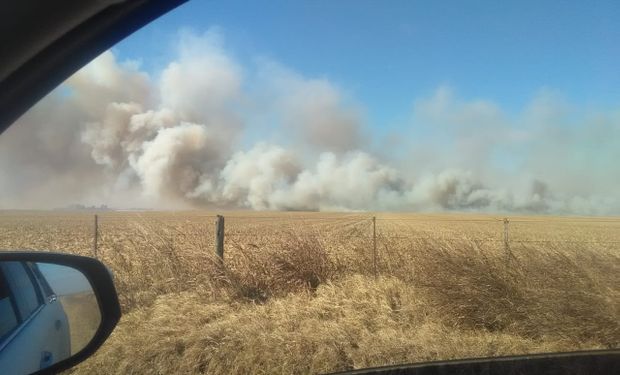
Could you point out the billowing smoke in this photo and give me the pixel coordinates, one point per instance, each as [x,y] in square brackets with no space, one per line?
[210,132]
[314,110]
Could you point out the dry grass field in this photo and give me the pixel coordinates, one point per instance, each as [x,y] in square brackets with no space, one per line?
[300,292]
[84,318]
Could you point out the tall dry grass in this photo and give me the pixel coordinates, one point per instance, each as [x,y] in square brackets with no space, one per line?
[303,298]
[299,306]
[354,323]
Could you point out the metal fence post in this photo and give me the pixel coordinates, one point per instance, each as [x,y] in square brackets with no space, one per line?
[507,239]
[95,235]
[374,245]
[219,238]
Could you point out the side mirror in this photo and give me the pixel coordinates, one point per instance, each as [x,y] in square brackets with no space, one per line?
[55,310]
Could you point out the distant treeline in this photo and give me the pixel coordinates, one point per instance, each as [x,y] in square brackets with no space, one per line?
[82,207]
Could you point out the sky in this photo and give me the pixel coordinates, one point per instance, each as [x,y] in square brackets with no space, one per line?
[337,105]
[65,280]
[386,53]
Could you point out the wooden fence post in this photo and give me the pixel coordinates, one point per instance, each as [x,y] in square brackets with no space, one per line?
[219,238]
[95,235]
[374,245]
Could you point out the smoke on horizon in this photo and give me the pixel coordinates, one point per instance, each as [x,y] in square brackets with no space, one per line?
[209,132]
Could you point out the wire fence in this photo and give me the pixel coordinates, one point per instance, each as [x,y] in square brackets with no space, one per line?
[93,230]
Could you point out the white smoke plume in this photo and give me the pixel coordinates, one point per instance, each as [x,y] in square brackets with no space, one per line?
[314,110]
[189,138]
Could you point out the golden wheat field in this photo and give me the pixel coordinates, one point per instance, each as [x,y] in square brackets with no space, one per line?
[321,292]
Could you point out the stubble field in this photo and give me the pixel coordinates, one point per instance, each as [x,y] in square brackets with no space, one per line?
[321,292]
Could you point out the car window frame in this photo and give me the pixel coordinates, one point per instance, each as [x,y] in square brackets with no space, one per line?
[24,315]
[14,309]
[44,287]
[22,322]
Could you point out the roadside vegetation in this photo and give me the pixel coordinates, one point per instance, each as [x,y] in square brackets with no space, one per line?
[304,296]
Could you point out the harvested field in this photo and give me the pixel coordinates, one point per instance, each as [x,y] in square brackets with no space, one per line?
[320,292]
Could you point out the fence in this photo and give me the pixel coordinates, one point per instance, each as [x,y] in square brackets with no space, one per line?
[48,231]
[503,233]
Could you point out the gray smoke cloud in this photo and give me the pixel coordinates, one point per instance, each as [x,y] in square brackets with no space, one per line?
[314,110]
[190,138]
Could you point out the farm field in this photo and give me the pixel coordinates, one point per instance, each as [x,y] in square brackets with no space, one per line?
[320,292]
[84,318]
